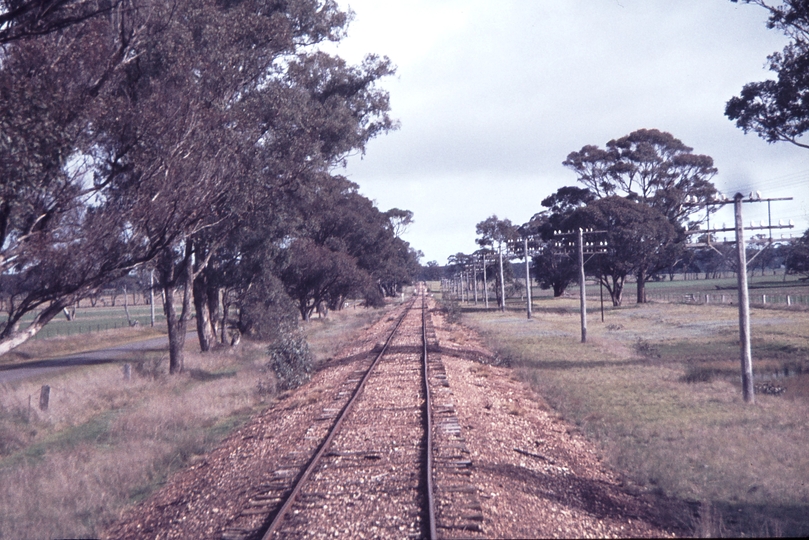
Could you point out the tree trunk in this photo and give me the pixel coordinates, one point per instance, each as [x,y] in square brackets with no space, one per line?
[485,285]
[225,313]
[641,287]
[617,294]
[176,335]
[616,290]
[213,308]
[13,337]
[177,326]
[205,331]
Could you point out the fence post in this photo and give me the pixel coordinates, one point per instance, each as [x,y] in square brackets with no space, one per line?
[44,397]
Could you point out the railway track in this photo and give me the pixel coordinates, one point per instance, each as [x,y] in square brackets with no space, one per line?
[386,458]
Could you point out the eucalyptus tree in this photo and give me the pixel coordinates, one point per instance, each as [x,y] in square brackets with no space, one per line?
[657,170]
[494,233]
[295,129]
[208,109]
[21,19]
[651,166]
[269,113]
[797,258]
[637,237]
[775,109]
[62,234]
[553,268]
[316,275]
[340,218]
[400,220]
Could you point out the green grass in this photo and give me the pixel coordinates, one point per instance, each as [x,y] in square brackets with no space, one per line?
[776,288]
[689,442]
[97,319]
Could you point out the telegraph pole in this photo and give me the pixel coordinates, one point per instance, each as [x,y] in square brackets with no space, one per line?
[463,289]
[744,305]
[527,276]
[530,246]
[485,283]
[593,248]
[502,280]
[475,279]
[745,353]
[583,294]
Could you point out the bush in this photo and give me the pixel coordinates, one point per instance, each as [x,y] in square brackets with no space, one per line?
[373,297]
[696,374]
[291,360]
[267,313]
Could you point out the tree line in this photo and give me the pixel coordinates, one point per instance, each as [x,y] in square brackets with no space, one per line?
[642,195]
[200,139]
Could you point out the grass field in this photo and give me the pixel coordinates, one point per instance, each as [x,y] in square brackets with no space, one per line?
[106,443]
[96,319]
[657,387]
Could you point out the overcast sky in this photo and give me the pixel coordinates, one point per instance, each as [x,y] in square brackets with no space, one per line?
[492,96]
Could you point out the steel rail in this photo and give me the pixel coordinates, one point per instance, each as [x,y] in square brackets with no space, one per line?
[429,422]
[315,461]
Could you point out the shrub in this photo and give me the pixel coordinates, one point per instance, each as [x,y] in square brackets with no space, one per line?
[267,313]
[291,360]
[697,374]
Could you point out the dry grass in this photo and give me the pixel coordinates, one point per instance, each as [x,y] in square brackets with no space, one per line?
[732,469]
[106,443]
[326,336]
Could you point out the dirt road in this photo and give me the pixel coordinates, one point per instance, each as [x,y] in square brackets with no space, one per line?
[16,372]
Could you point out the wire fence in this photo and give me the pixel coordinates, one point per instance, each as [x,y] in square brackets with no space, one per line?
[731,298]
[72,328]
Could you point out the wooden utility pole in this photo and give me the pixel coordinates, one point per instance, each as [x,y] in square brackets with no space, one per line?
[485,283]
[475,279]
[745,352]
[502,280]
[593,249]
[583,293]
[530,246]
[527,276]
[744,305]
